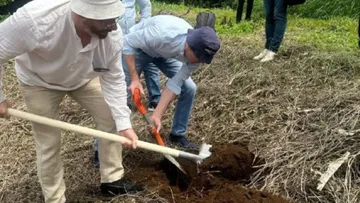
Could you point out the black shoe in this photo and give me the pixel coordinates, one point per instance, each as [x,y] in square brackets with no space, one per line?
[152,106]
[122,186]
[181,141]
[96,159]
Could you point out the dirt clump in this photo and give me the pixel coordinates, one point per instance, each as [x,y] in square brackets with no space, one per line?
[221,178]
[231,161]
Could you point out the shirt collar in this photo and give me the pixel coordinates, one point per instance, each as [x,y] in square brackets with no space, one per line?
[94,40]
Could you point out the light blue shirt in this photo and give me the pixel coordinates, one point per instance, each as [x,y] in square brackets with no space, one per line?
[162,36]
[129,18]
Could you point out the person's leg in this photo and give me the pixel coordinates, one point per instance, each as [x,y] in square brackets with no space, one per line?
[152,79]
[269,27]
[45,102]
[274,29]
[249,8]
[359,31]
[184,104]
[269,22]
[142,61]
[91,98]
[96,161]
[128,80]
[129,103]
[239,11]
[280,25]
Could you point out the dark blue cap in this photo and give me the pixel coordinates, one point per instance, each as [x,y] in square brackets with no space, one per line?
[204,43]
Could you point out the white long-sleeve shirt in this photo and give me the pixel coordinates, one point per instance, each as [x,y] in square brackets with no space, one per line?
[42,37]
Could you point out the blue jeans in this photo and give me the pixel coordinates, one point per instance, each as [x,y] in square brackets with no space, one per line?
[152,80]
[188,90]
[275,12]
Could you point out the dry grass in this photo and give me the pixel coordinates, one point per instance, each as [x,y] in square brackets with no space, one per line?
[288,111]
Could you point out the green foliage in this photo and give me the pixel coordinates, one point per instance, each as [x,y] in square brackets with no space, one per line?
[322,9]
[4,2]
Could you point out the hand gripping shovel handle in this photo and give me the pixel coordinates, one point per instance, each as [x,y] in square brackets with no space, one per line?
[143,111]
[100,134]
[156,135]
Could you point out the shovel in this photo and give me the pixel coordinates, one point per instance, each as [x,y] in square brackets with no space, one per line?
[142,110]
[197,158]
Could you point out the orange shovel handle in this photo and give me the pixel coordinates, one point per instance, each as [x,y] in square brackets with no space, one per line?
[157,137]
[142,110]
[137,101]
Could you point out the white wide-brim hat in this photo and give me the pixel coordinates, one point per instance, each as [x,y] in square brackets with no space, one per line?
[98,9]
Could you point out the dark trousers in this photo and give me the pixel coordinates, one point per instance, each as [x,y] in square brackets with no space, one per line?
[359,32]
[240,7]
[275,12]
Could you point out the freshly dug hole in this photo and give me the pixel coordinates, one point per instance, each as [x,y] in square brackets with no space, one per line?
[220,179]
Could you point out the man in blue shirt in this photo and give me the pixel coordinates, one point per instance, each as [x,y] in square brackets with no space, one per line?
[152,74]
[176,49]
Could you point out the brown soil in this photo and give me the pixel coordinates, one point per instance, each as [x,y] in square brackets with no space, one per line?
[221,178]
[232,161]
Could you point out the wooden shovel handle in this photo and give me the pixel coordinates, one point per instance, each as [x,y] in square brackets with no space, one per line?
[94,133]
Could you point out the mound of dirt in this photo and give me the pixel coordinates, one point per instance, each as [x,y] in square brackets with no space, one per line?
[231,161]
[221,178]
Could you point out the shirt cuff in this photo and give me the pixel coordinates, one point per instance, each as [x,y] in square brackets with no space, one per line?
[123,124]
[173,87]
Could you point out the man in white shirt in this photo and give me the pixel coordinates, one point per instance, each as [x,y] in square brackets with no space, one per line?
[73,48]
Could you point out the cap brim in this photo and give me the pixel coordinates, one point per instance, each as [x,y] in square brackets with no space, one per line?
[98,11]
[207,59]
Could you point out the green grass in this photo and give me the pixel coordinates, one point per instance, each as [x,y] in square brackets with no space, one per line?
[321,9]
[332,34]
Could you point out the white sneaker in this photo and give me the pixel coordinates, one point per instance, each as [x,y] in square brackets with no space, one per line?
[269,56]
[261,55]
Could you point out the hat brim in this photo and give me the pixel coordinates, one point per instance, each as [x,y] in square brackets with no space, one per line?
[99,10]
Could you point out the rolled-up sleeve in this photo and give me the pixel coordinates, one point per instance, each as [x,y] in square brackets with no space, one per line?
[175,83]
[115,93]
[17,36]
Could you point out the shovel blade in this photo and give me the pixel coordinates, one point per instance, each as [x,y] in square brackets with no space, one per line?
[176,163]
[204,152]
